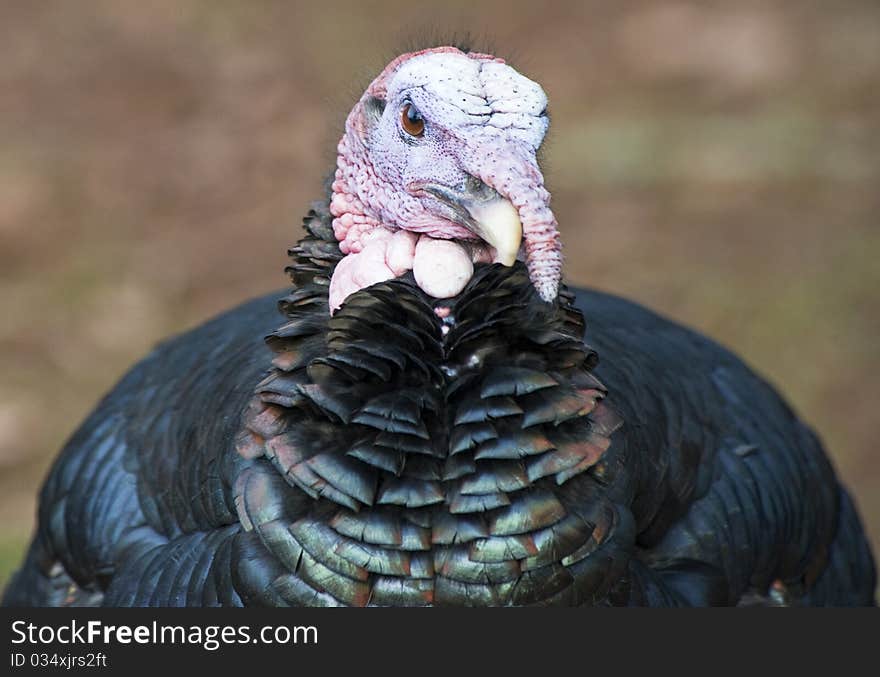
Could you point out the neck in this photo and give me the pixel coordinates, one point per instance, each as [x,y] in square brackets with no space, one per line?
[352,218]
[432,452]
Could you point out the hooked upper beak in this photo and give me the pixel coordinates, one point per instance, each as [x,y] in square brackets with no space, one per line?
[486,213]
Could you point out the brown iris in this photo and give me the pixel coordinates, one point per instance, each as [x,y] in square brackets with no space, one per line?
[412,121]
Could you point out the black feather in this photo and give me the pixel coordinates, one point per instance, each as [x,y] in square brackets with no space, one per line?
[374,458]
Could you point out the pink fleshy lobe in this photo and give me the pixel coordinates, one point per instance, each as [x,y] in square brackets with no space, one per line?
[401,252]
[342,284]
[441,268]
[361,269]
[371,267]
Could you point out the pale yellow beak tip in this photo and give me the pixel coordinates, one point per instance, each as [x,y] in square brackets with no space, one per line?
[501,227]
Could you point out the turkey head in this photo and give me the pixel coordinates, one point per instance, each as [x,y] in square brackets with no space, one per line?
[437,171]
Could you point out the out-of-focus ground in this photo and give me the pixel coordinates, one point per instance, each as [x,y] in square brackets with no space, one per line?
[719,162]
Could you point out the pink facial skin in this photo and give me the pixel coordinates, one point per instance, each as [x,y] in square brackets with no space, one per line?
[482,120]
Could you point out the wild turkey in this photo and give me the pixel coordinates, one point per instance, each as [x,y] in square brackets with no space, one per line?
[429,426]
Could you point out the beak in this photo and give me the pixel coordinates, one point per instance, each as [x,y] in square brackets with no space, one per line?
[486,213]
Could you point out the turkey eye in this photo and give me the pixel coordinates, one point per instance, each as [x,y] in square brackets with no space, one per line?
[412,121]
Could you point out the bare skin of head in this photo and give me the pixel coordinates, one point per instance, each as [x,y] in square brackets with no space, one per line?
[437,171]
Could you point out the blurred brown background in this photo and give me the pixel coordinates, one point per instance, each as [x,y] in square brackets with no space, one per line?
[719,162]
